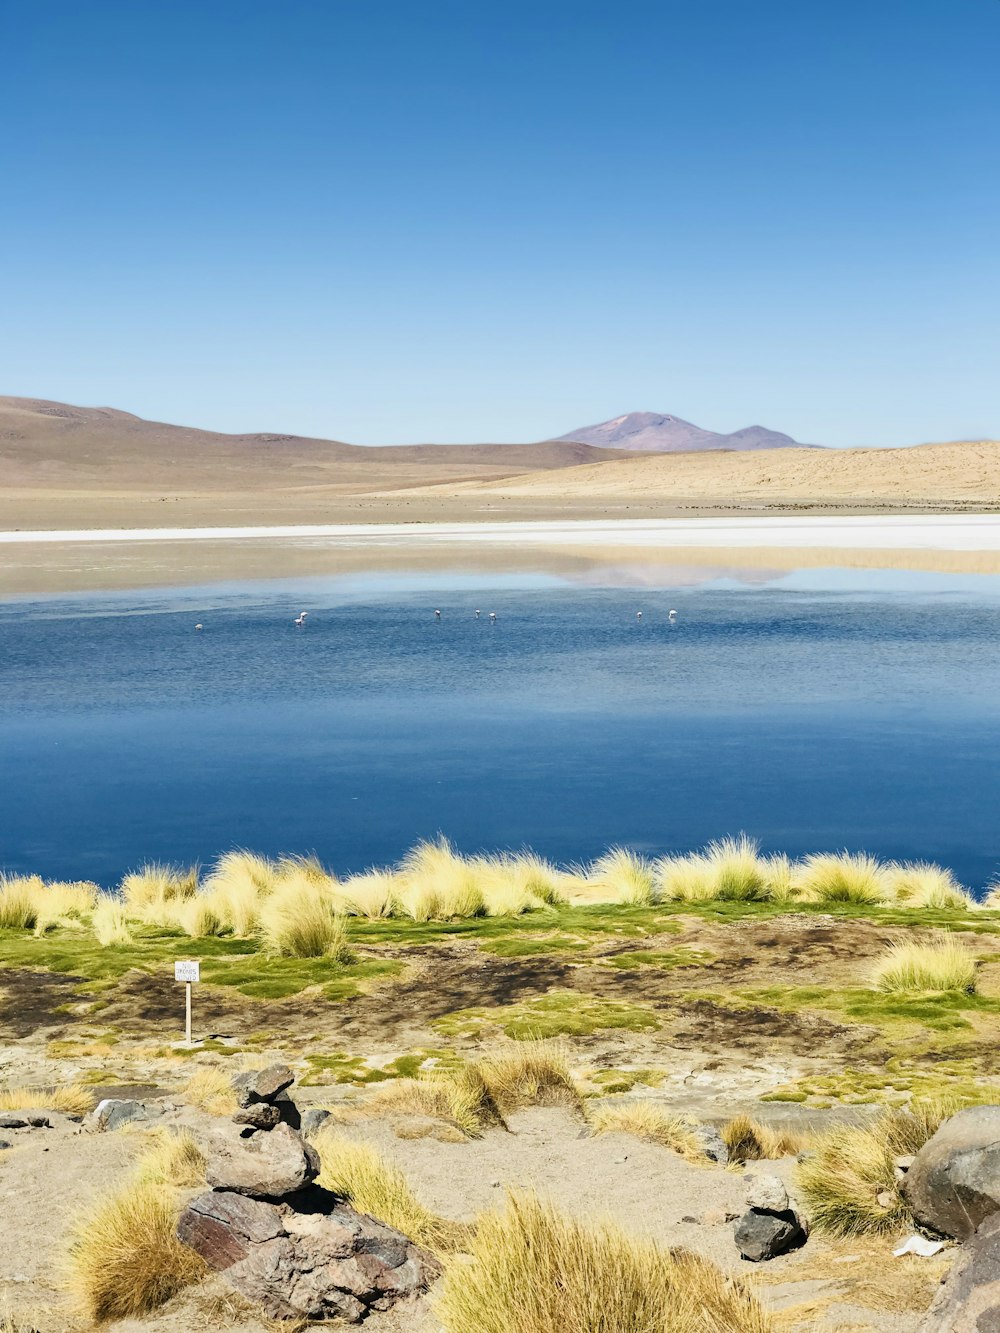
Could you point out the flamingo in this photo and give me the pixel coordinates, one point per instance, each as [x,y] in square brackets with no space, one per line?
[478,613]
[672,615]
[493,617]
[300,619]
[437,615]
[638,615]
[199,626]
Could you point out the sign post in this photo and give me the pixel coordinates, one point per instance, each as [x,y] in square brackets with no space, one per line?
[188,972]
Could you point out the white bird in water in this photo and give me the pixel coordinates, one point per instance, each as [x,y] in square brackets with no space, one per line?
[300,619]
[478,613]
[437,615]
[199,626]
[638,615]
[672,615]
[493,616]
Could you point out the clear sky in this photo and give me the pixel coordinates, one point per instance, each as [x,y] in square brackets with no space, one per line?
[384,220]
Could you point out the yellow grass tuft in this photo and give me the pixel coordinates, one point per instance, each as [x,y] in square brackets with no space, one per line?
[153,893]
[372,895]
[211,1089]
[460,1096]
[61,904]
[300,920]
[738,872]
[71,1099]
[19,901]
[919,884]
[941,963]
[622,876]
[750,1141]
[438,882]
[646,1120]
[848,1168]
[843,877]
[529,1073]
[536,1270]
[172,1158]
[109,923]
[124,1257]
[374,1186]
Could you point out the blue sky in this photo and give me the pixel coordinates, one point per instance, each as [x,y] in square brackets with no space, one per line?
[386,221]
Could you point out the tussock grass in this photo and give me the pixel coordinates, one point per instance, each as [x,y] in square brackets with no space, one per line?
[750,1141]
[211,1089]
[941,963]
[19,901]
[109,923]
[535,1270]
[124,1257]
[529,1073]
[738,872]
[71,1099]
[646,1120]
[153,893]
[374,1186]
[842,877]
[372,895]
[459,1096]
[920,884]
[622,876]
[63,904]
[439,883]
[849,1167]
[300,920]
[172,1158]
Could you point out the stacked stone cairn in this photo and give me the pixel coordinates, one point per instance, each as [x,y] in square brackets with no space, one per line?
[284,1243]
[771,1224]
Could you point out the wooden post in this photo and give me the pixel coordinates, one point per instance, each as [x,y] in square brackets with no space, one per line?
[187,1015]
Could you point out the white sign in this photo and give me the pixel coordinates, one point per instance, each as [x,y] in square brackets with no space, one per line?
[187,971]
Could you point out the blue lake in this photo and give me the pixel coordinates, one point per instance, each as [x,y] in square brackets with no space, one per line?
[813,711]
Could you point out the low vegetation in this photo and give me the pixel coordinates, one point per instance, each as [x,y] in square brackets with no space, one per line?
[848,1179]
[939,964]
[359,1173]
[534,1269]
[747,1140]
[172,1158]
[70,1099]
[124,1257]
[650,1121]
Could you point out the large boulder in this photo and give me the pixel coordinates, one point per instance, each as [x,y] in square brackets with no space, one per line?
[267,1165]
[113,1112]
[262,1085]
[953,1183]
[969,1300]
[311,1257]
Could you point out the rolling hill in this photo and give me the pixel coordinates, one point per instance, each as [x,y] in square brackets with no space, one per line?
[648,432]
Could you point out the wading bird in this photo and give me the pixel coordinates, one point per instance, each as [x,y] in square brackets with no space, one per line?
[300,619]
[199,626]
[672,615]
[437,615]
[493,616]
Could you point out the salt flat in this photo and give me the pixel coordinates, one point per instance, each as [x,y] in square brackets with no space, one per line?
[945,532]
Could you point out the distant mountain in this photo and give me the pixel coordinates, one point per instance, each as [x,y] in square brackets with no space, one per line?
[650,433]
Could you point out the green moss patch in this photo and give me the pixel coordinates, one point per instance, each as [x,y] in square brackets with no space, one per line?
[560,1013]
[682,956]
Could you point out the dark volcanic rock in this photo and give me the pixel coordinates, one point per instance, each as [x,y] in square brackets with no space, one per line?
[262,1085]
[310,1257]
[953,1183]
[969,1300]
[313,1119]
[766,1235]
[261,1115]
[268,1165]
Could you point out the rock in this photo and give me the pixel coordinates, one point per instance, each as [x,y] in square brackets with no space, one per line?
[766,1235]
[4,1145]
[712,1144]
[969,1299]
[10,1120]
[266,1166]
[717,1217]
[884,1199]
[260,1115]
[312,1257]
[953,1183]
[314,1119]
[262,1085]
[111,1114]
[903,1162]
[767,1194]
[288,1111]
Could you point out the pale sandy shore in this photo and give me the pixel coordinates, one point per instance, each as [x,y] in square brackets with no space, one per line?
[662,552]
[945,532]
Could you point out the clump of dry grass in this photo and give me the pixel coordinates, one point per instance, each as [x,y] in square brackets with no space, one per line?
[211,1089]
[749,1141]
[64,904]
[124,1257]
[109,923]
[920,884]
[849,1167]
[172,1158]
[70,1099]
[941,963]
[536,1270]
[19,896]
[374,1186]
[842,877]
[647,1120]
[372,895]
[622,876]
[153,893]
[300,920]
[459,1096]
[529,1073]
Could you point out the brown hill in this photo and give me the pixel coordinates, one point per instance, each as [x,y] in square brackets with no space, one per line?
[965,474]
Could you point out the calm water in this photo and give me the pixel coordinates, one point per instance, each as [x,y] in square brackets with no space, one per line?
[815,712]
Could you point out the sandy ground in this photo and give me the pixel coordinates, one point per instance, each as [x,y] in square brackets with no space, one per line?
[50,1175]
